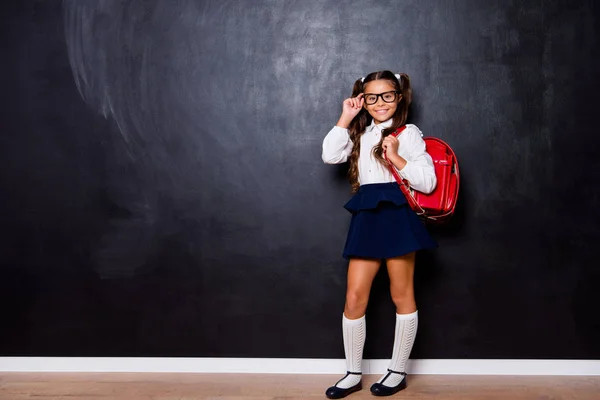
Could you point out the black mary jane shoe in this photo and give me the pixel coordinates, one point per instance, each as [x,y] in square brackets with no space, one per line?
[379,389]
[335,392]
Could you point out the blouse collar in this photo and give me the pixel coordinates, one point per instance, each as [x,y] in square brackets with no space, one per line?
[381,126]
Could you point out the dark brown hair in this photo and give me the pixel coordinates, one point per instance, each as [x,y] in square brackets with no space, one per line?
[363,119]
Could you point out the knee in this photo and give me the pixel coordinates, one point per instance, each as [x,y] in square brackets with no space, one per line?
[356,304]
[403,297]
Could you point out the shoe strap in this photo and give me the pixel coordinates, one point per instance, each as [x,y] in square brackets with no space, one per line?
[390,372]
[348,373]
[399,373]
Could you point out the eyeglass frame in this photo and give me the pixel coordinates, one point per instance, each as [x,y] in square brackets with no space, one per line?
[396,93]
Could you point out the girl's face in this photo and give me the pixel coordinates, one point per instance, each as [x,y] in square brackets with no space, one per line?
[384,105]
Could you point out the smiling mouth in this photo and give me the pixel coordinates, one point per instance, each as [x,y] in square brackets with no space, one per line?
[381,111]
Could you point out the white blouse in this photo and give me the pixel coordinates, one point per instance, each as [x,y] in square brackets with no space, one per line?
[418,170]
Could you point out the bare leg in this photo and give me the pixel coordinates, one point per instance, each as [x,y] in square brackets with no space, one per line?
[401,271]
[361,273]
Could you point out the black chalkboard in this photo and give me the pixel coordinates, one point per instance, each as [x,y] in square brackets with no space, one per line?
[163,192]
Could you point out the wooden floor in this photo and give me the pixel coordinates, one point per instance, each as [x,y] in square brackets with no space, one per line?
[46,386]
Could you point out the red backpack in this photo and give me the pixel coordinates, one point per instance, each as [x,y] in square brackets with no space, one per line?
[437,206]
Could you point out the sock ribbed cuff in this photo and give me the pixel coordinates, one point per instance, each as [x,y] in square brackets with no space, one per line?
[352,321]
[407,316]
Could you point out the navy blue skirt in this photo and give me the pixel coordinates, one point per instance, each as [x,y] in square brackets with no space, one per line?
[383,225]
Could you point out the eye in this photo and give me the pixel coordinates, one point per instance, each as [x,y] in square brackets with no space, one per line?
[389,96]
[371,98]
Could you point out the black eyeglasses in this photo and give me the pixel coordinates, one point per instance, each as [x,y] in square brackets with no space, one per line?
[388,97]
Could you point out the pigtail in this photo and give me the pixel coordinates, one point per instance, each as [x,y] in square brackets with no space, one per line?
[356,129]
[406,90]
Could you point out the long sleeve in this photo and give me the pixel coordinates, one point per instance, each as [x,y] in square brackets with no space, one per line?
[337,146]
[419,170]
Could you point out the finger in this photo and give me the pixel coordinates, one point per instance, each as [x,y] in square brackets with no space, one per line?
[360,100]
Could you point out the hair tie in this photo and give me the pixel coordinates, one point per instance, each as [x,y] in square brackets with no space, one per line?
[396,75]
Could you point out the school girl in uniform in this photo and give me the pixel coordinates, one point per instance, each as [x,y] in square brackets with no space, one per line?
[383,226]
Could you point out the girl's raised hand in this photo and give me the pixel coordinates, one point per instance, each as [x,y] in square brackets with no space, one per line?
[350,109]
[352,106]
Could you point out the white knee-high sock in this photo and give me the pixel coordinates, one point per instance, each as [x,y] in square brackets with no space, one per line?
[404,338]
[354,333]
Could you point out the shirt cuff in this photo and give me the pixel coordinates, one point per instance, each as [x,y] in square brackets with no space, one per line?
[404,170]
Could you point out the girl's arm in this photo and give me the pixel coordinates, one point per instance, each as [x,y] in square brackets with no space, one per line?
[416,165]
[337,146]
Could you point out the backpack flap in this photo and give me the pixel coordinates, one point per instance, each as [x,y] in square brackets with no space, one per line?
[436,202]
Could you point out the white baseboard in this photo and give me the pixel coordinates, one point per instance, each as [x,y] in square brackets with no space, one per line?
[295,366]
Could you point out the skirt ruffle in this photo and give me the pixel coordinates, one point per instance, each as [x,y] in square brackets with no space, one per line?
[368,197]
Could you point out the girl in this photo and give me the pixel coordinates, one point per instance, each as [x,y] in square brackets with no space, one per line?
[383,226]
